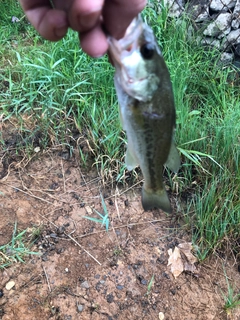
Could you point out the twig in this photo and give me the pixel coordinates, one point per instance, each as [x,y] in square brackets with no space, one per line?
[49,288]
[116,205]
[64,182]
[29,194]
[77,243]
[119,227]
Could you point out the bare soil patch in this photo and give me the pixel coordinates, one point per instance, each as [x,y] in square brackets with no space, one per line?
[84,272]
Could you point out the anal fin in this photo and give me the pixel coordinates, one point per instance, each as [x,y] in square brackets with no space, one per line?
[173,161]
[130,160]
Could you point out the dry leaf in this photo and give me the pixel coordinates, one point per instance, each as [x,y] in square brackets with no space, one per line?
[175,260]
[186,250]
[182,259]
[189,267]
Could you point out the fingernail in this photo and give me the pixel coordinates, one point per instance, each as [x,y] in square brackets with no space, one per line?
[60,32]
[89,21]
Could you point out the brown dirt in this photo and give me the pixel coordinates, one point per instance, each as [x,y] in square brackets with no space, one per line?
[65,281]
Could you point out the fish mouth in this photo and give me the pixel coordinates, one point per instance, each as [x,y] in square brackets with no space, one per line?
[125,46]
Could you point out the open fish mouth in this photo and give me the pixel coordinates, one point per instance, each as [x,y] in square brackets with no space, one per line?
[120,48]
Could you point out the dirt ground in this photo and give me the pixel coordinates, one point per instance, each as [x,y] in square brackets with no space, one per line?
[84,272]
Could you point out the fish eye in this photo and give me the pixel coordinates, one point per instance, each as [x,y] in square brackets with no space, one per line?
[147,50]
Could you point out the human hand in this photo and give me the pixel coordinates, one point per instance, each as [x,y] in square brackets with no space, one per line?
[84,16]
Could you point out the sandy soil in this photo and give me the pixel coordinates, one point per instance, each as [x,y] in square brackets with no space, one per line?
[84,272]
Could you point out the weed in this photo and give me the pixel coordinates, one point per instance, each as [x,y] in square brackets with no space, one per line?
[105,219]
[149,288]
[232,299]
[16,250]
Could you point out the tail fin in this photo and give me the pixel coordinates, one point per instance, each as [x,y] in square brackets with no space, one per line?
[158,199]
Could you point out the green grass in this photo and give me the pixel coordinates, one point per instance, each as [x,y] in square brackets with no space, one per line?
[232,299]
[59,89]
[17,249]
[104,217]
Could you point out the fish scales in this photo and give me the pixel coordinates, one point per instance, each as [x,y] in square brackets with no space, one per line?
[147,110]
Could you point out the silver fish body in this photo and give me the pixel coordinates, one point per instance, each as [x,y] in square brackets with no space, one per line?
[147,110]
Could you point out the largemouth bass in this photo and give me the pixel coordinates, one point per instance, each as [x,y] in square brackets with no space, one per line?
[146,107]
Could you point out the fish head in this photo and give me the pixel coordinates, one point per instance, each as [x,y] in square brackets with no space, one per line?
[137,58]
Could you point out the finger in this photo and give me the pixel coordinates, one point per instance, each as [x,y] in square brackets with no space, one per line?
[94,42]
[51,23]
[84,15]
[118,14]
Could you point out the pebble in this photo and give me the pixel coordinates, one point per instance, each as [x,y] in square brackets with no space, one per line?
[119,287]
[53,235]
[144,282]
[110,298]
[161,316]
[85,285]
[80,308]
[10,285]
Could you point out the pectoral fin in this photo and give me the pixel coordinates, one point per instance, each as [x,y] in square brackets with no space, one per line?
[130,160]
[173,161]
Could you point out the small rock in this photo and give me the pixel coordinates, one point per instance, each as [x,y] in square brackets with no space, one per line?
[237,50]
[1,294]
[161,316]
[208,41]
[37,149]
[144,282]
[53,235]
[85,285]
[10,285]
[119,287]
[166,275]
[61,230]
[80,308]
[173,292]
[175,7]
[222,5]
[226,58]
[220,27]
[89,210]
[236,16]
[234,37]
[199,11]
[110,298]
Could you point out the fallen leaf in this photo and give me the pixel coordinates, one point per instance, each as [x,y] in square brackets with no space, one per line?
[175,260]
[181,259]
[186,250]
[189,267]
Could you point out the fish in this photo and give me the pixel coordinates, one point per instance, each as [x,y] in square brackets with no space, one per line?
[146,109]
